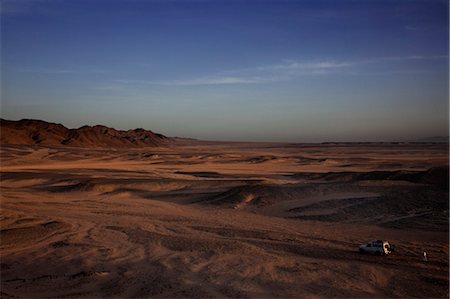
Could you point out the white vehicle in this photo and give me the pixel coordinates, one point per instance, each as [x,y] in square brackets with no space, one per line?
[377,247]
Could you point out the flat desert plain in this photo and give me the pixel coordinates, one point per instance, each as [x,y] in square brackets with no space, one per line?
[217,219]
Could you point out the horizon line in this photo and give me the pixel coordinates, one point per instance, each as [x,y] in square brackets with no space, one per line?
[329,141]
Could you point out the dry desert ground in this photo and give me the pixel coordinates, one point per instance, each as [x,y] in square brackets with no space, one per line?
[217,219]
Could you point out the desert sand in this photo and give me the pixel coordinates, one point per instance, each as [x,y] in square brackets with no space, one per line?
[217,219]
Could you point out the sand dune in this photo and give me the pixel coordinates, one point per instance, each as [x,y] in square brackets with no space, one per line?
[223,220]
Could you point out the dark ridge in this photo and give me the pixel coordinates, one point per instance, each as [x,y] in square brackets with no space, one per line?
[38,132]
[438,176]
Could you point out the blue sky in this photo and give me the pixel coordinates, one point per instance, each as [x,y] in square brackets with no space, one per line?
[301,71]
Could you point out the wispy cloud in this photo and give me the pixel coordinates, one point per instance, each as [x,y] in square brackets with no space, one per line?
[213,80]
[309,66]
[402,58]
[110,87]
[259,74]
[284,71]
[58,71]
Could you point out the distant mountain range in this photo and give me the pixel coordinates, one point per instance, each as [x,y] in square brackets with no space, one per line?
[435,139]
[31,131]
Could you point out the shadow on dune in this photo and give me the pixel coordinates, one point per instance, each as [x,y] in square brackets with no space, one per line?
[438,176]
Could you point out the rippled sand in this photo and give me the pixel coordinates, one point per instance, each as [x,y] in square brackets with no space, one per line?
[224,220]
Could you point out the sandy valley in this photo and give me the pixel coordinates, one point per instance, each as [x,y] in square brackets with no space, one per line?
[212,219]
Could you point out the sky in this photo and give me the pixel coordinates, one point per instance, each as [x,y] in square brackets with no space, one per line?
[297,71]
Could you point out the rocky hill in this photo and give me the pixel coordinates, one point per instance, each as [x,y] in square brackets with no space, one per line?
[31,131]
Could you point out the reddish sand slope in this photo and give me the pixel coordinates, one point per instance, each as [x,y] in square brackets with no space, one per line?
[223,220]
